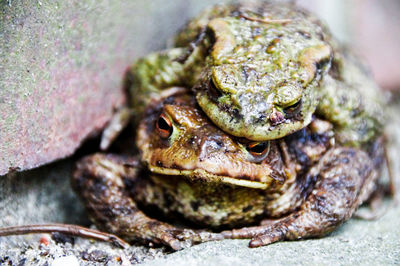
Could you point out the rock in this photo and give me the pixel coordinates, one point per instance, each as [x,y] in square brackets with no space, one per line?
[60,78]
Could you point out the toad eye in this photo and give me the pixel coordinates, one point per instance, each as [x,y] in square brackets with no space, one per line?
[293,109]
[258,148]
[321,65]
[213,90]
[210,38]
[164,126]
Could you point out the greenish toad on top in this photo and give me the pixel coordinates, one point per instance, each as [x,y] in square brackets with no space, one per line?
[260,71]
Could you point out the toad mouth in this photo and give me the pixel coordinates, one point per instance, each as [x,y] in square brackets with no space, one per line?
[207,176]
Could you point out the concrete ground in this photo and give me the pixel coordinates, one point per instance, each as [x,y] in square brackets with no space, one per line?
[356,243]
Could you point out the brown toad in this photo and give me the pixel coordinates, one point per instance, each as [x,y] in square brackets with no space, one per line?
[297,187]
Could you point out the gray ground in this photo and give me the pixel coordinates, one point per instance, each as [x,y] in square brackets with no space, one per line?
[44,195]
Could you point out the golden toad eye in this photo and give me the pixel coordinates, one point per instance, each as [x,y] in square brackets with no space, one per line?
[213,90]
[293,109]
[258,148]
[164,126]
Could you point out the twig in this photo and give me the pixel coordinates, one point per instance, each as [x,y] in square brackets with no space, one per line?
[68,229]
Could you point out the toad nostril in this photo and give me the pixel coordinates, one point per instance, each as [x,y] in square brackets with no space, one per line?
[211,146]
[276,118]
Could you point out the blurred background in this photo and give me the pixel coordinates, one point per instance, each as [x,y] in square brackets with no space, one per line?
[61,69]
[371,28]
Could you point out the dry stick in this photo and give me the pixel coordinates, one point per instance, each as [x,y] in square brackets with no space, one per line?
[69,229]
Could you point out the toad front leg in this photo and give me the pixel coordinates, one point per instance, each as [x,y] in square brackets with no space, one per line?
[101,181]
[344,179]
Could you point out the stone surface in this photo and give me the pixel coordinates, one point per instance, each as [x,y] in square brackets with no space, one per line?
[355,243]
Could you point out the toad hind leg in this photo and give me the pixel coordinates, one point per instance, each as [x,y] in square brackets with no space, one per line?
[101,180]
[345,178]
